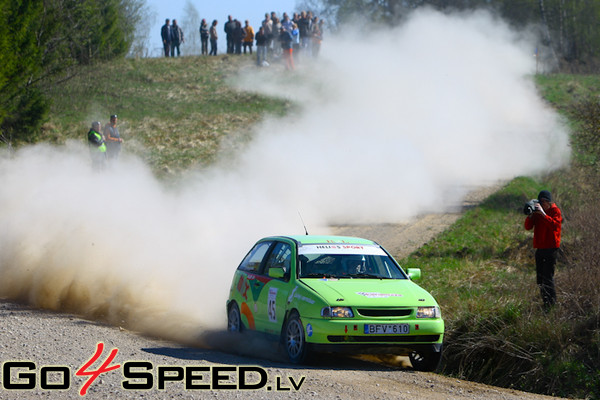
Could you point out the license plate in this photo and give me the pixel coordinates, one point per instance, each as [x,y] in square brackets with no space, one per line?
[387,329]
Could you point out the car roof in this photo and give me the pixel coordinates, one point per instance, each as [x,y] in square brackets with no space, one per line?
[322,239]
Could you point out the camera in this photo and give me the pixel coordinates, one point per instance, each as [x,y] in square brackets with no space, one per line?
[530,207]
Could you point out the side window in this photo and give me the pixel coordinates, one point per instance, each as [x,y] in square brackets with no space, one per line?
[281,257]
[252,261]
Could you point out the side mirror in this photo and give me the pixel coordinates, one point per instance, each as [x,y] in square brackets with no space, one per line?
[276,273]
[414,273]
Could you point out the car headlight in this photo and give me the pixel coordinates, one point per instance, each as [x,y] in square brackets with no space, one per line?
[429,312]
[337,312]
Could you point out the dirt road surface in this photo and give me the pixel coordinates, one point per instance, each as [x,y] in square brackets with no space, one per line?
[50,342]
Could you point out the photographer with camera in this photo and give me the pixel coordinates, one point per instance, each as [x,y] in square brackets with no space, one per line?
[545,218]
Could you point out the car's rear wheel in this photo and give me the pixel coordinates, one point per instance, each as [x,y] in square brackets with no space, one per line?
[426,361]
[294,339]
[234,319]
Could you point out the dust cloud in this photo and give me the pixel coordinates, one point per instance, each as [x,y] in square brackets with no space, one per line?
[389,124]
[397,123]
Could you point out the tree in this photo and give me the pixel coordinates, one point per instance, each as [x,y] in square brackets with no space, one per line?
[191,26]
[569,27]
[40,39]
[21,104]
[138,15]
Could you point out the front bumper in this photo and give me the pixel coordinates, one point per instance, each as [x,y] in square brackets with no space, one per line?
[347,335]
[374,348]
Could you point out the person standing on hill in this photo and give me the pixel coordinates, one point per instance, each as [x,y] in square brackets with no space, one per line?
[261,47]
[249,38]
[228,28]
[167,37]
[237,36]
[286,22]
[546,222]
[286,40]
[267,25]
[177,38]
[304,29]
[213,38]
[317,36]
[204,37]
[112,139]
[97,147]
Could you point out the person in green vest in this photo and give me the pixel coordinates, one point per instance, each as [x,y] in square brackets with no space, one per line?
[97,146]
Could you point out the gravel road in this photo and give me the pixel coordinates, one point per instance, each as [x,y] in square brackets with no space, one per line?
[48,350]
[48,339]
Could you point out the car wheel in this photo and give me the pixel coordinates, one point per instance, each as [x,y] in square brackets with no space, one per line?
[234,319]
[426,361]
[294,340]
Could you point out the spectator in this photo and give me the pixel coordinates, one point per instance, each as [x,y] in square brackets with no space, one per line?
[213,38]
[113,138]
[228,28]
[317,36]
[261,48]
[296,37]
[546,222]
[304,29]
[285,38]
[237,37]
[177,38]
[97,147]
[267,25]
[204,36]
[276,32]
[286,23]
[167,37]
[249,38]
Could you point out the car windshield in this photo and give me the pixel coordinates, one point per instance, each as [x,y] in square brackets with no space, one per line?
[346,262]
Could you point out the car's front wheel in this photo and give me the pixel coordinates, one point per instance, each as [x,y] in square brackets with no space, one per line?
[294,339]
[426,361]
[234,319]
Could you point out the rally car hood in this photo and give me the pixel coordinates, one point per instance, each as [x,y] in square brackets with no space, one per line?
[371,292]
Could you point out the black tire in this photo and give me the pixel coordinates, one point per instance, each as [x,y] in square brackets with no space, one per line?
[426,361]
[294,341]
[234,319]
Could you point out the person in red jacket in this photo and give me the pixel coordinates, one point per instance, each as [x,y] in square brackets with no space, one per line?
[546,222]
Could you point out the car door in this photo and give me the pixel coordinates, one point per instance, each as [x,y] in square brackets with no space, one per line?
[249,282]
[273,298]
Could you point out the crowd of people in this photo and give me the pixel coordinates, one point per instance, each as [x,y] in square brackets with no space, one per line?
[276,38]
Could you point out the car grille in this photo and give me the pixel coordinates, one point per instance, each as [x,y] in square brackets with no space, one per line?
[384,312]
[383,339]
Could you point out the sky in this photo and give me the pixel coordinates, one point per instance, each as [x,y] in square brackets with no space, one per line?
[388,125]
[253,10]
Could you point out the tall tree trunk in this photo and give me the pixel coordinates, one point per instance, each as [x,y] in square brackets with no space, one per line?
[547,35]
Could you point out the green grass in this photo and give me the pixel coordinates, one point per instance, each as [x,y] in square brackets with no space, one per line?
[471,259]
[564,90]
[177,111]
[482,272]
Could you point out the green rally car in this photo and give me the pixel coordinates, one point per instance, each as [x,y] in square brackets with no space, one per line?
[335,294]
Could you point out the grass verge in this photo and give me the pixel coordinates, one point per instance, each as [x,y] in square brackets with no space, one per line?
[482,272]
